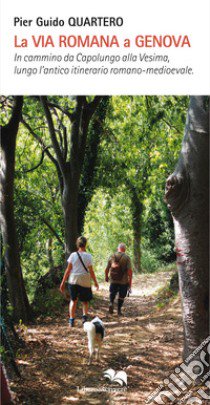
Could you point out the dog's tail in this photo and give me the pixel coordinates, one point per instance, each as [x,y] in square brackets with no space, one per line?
[89,327]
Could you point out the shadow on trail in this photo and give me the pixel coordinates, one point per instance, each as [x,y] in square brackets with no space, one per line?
[144,342]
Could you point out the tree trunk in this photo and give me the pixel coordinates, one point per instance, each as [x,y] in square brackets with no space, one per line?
[187,198]
[136,209]
[88,184]
[17,293]
[70,212]
[69,162]
[137,245]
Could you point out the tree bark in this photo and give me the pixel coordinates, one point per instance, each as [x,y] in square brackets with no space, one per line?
[136,210]
[70,213]
[70,160]
[188,199]
[137,214]
[88,183]
[17,292]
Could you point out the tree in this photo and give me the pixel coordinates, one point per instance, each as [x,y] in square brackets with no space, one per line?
[68,120]
[18,297]
[124,160]
[143,134]
[187,198]
[136,210]
[88,182]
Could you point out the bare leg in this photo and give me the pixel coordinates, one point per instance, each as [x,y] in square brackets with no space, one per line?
[72,308]
[85,308]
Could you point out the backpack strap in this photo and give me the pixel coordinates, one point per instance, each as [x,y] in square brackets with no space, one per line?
[82,262]
[118,259]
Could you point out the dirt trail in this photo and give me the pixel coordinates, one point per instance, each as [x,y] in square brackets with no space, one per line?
[146,343]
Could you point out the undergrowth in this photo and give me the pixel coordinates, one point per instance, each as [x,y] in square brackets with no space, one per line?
[166,294]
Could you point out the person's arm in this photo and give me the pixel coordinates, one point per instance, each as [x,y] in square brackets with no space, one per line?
[92,275]
[130,275]
[65,277]
[107,271]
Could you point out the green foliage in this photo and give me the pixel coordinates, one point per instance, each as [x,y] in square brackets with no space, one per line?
[150,261]
[158,229]
[5,110]
[107,224]
[138,149]
[49,302]
[165,295]
[3,353]
[36,200]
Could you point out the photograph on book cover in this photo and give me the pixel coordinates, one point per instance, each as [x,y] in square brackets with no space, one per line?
[124,172]
[104,202]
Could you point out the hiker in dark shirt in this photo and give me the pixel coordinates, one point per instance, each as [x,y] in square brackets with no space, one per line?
[119,272]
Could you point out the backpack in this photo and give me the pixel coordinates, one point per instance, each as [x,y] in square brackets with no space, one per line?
[116,271]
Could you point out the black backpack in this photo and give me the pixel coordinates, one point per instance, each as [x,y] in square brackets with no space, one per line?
[116,271]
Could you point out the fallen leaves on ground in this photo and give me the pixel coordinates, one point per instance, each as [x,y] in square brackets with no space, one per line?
[145,342]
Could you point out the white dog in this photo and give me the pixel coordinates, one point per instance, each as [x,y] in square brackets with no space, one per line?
[95,333]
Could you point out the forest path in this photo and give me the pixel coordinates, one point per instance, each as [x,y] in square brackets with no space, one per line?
[146,343]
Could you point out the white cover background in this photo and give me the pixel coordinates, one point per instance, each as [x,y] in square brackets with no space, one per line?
[151,17]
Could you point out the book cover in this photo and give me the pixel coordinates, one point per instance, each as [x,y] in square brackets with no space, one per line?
[104,152]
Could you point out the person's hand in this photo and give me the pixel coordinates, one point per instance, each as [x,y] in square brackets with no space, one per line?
[62,288]
[97,286]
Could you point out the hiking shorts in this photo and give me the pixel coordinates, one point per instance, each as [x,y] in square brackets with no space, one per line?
[122,289]
[83,293]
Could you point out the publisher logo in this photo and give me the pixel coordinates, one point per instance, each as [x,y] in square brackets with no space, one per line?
[116,376]
[119,377]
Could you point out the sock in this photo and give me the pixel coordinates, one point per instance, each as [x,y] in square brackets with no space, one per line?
[71,321]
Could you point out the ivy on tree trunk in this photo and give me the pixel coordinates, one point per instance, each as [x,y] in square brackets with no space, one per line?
[88,183]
